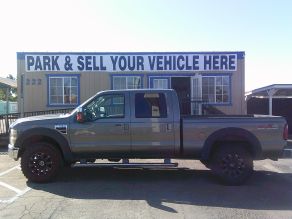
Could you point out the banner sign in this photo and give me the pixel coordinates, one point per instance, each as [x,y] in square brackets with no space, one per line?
[130,63]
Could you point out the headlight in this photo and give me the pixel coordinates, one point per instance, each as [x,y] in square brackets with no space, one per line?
[12,136]
[13,132]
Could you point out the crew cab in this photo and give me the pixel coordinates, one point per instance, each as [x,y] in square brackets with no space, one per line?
[144,124]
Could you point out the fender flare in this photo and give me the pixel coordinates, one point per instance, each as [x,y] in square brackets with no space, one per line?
[232,134]
[50,133]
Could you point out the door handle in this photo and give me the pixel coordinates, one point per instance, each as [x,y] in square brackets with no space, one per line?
[169,126]
[126,126]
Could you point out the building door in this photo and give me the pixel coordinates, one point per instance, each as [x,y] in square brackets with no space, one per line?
[182,86]
[196,105]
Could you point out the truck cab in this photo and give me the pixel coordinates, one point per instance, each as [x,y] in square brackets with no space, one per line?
[127,124]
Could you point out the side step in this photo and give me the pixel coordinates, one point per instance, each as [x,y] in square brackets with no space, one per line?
[126,164]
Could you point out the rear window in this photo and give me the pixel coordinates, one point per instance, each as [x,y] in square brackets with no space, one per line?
[150,105]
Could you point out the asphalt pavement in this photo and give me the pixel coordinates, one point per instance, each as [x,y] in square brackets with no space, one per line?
[189,191]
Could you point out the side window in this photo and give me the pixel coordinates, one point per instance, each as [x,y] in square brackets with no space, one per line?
[150,105]
[106,106]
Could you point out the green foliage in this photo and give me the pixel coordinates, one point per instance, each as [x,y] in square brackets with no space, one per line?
[12,94]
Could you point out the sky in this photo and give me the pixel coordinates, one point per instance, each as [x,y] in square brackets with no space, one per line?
[261,28]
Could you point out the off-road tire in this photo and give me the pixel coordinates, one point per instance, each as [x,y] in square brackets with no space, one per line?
[41,162]
[233,164]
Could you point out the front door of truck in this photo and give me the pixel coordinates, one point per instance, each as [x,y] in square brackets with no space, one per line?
[106,129]
[152,128]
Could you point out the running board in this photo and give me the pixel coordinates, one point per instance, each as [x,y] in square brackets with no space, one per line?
[129,165]
[126,164]
[287,153]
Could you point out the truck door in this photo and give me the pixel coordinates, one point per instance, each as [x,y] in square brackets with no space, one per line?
[106,126]
[152,129]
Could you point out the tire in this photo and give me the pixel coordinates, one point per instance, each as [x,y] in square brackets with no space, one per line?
[233,164]
[41,162]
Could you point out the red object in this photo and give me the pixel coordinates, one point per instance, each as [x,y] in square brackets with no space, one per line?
[80,117]
[285,132]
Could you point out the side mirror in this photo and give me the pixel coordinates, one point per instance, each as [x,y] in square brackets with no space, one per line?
[80,116]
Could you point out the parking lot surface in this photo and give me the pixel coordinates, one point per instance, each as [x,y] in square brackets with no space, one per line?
[189,191]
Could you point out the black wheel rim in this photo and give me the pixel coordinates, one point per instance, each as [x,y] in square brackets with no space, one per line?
[233,165]
[40,164]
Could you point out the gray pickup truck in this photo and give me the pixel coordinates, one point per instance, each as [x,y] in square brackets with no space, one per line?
[144,124]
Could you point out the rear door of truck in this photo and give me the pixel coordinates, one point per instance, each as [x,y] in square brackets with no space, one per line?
[152,128]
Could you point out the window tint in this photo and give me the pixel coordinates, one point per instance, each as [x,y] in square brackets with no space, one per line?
[105,106]
[150,105]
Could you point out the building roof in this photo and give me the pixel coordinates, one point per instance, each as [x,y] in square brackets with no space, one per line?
[277,91]
[7,82]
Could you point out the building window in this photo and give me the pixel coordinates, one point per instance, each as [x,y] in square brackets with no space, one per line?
[160,83]
[150,105]
[216,89]
[127,82]
[63,90]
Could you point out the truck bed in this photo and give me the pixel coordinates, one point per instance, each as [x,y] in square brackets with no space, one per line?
[196,130]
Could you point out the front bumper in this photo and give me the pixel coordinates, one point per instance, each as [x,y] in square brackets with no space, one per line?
[13,152]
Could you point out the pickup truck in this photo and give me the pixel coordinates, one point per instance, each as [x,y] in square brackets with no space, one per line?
[144,124]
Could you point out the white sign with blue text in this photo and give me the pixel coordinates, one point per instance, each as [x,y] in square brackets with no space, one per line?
[130,62]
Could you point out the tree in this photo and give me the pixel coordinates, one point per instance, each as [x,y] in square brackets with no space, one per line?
[13,91]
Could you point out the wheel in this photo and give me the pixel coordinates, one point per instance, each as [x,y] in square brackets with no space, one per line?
[41,162]
[233,164]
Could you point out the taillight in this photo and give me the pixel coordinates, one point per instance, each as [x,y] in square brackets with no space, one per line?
[285,132]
